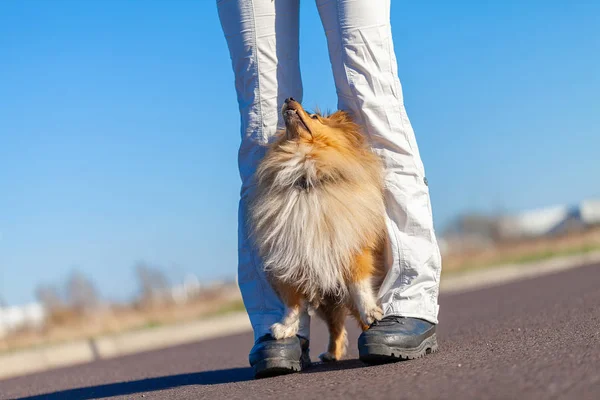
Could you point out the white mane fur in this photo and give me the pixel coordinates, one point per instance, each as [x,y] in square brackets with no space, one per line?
[308,237]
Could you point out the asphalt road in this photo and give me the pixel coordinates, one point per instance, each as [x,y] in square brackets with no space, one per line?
[534,339]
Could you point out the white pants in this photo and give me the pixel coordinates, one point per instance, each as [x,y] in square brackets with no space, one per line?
[262,36]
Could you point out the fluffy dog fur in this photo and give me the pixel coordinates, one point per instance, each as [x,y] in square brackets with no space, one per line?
[318,218]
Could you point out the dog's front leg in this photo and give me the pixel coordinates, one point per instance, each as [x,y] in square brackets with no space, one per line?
[295,306]
[365,303]
[361,290]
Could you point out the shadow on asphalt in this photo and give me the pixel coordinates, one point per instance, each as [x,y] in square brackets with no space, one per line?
[337,366]
[169,382]
[149,385]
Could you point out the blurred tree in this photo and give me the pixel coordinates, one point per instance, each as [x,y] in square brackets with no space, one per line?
[81,292]
[49,297]
[153,283]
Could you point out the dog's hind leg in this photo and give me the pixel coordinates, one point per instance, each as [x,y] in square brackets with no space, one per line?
[295,306]
[335,317]
[361,289]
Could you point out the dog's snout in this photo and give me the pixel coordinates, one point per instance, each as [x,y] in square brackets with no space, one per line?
[289,99]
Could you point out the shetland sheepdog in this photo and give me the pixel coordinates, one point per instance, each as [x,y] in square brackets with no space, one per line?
[318,219]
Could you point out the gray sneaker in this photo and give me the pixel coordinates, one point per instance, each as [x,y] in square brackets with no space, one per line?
[272,357]
[396,339]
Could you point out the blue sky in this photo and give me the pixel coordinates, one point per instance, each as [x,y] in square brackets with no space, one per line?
[119,125]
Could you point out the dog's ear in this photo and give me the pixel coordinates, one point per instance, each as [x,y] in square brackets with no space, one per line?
[344,121]
[340,117]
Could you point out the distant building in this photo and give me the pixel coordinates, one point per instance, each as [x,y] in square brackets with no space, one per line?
[551,221]
[185,291]
[14,318]
[474,231]
[590,212]
[533,223]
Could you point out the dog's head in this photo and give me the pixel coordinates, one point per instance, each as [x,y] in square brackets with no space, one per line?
[317,151]
[336,130]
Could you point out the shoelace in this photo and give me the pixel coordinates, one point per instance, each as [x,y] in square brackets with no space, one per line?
[390,319]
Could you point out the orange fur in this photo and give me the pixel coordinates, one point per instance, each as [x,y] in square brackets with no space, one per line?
[334,316]
[364,266]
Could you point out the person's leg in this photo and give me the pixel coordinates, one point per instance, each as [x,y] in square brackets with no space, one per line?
[364,64]
[262,36]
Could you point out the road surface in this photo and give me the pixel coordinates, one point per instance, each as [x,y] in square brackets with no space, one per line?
[533,339]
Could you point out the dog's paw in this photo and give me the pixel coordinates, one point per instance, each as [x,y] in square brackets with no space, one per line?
[328,357]
[372,315]
[281,331]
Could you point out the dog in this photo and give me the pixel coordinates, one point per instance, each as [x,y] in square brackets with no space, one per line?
[318,220]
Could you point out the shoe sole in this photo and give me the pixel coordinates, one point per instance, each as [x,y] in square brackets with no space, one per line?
[275,367]
[382,354]
[271,367]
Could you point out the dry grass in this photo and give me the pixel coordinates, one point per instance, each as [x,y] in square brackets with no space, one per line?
[66,325]
[525,251]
